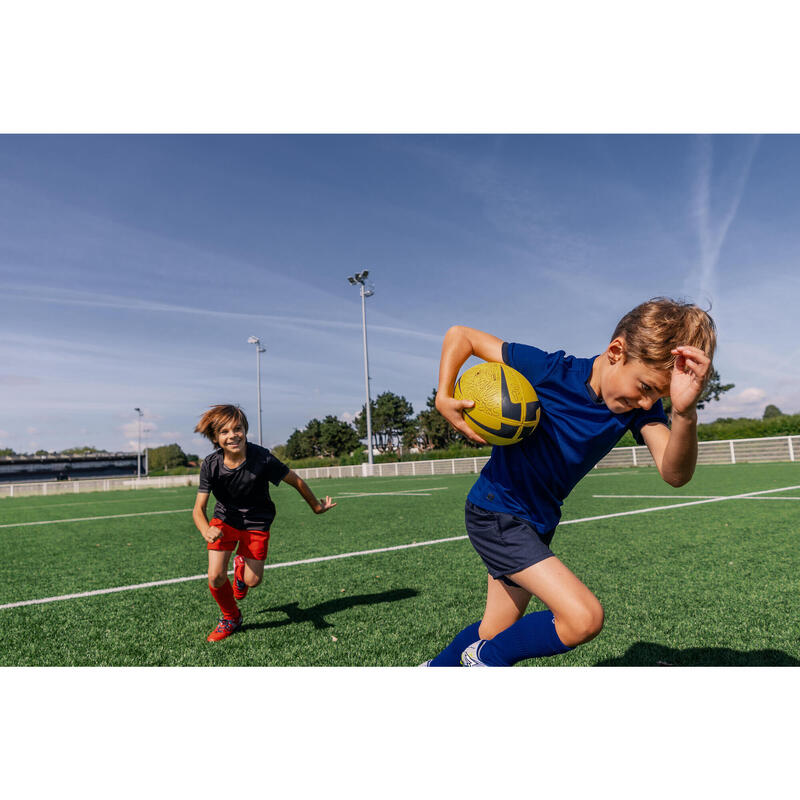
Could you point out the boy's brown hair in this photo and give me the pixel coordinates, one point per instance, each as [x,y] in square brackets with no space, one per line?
[654,328]
[216,418]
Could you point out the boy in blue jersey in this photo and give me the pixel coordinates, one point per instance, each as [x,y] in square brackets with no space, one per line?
[661,348]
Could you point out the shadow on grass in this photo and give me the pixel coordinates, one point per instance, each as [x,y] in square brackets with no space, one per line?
[648,654]
[316,614]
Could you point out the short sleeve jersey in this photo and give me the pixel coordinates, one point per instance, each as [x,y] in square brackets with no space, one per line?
[576,429]
[242,494]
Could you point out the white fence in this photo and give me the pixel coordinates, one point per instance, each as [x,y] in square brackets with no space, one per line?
[732,451]
[25,489]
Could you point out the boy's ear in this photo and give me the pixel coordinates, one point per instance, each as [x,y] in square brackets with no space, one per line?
[615,352]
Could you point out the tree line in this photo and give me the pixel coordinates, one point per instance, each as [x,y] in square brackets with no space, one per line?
[395,428]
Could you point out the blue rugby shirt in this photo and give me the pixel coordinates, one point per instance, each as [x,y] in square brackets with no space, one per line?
[531,479]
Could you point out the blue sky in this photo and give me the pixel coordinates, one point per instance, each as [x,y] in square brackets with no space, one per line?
[134,268]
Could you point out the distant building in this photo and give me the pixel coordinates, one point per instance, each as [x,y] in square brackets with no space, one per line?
[67,467]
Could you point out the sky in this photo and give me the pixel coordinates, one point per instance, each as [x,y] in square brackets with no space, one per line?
[135,267]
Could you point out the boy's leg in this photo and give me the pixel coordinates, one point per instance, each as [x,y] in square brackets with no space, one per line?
[249,563]
[504,606]
[574,616]
[219,585]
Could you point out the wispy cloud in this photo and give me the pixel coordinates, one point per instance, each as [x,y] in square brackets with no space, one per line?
[99,300]
[712,232]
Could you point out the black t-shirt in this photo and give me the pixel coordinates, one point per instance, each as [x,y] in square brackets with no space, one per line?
[242,494]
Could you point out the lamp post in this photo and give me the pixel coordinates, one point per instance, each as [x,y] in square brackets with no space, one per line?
[259,350]
[359,279]
[139,445]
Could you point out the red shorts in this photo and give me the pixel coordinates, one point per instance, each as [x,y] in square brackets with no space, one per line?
[252,544]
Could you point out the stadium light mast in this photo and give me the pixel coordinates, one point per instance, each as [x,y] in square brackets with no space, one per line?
[359,279]
[139,445]
[259,350]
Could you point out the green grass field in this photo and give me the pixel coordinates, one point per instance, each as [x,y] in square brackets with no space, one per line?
[707,584]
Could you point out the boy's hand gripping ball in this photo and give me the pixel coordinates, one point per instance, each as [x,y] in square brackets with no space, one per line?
[506,407]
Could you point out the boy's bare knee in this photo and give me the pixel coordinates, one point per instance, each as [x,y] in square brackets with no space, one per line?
[581,625]
[216,580]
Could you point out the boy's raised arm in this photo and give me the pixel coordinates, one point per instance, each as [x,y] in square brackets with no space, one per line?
[461,342]
[675,451]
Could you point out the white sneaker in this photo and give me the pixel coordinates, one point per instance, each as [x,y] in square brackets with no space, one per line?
[425,663]
[470,656]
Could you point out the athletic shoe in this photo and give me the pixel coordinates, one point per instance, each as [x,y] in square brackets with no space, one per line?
[226,628]
[470,656]
[425,663]
[239,586]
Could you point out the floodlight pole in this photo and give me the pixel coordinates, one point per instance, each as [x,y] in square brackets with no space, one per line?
[360,278]
[259,350]
[139,445]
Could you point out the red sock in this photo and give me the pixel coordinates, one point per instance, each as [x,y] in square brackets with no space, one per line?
[225,600]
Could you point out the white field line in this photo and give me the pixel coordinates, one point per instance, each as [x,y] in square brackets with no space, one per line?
[679,505]
[408,493]
[87,502]
[378,550]
[600,474]
[230,572]
[685,496]
[424,492]
[90,519]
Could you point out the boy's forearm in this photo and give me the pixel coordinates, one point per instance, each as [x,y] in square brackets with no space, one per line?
[200,519]
[307,494]
[680,455]
[456,349]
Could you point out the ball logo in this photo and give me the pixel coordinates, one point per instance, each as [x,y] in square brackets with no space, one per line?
[506,409]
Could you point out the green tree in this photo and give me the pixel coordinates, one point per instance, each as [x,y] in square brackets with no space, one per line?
[79,451]
[391,418]
[279,451]
[431,431]
[336,437]
[7,451]
[165,457]
[297,445]
[772,411]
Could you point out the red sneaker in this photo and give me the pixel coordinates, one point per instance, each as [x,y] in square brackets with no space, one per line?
[226,628]
[239,586]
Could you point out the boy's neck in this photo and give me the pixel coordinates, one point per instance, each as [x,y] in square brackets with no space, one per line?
[595,377]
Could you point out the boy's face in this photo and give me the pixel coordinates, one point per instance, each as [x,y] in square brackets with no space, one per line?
[629,384]
[231,437]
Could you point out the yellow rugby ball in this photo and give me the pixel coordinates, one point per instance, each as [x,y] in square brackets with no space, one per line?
[506,408]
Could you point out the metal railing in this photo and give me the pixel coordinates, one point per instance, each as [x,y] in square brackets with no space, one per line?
[731,451]
[25,488]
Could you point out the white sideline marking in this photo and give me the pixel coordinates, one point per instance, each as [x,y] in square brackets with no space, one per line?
[86,502]
[601,474]
[346,496]
[382,550]
[680,505]
[88,519]
[424,492]
[230,572]
[684,496]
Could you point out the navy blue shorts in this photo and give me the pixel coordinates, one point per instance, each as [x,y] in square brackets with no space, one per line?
[506,543]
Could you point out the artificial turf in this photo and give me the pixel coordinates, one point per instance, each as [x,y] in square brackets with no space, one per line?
[708,584]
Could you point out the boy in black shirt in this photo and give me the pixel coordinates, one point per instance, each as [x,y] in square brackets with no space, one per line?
[239,474]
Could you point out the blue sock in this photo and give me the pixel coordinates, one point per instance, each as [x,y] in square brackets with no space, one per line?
[451,655]
[533,636]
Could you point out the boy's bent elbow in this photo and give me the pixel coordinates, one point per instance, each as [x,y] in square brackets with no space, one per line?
[676,481]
